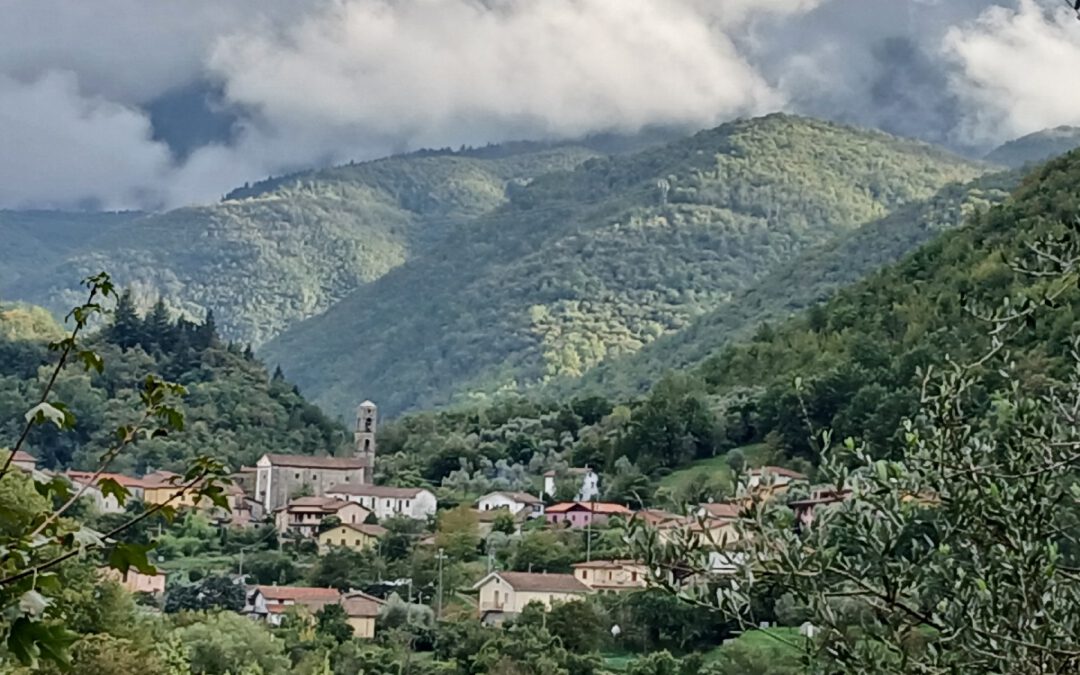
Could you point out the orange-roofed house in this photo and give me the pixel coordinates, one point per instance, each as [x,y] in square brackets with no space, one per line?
[304,515]
[505,594]
[103,502]
[362,610]
[358,536]
[584,514]
[269,603]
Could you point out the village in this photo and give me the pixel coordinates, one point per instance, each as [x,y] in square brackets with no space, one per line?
[326,504]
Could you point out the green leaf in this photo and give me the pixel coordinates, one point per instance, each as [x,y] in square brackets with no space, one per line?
[28,640]
[126,556]
[109,486]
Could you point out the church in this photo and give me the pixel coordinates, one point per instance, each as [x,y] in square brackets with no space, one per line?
[279,477]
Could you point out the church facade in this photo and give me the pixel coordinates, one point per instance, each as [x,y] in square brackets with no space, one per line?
[280,477]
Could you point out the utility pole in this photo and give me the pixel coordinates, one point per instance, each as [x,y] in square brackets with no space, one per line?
[438,607]
[588,530]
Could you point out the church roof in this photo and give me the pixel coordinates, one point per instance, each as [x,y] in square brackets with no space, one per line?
[311,462]
[367,404]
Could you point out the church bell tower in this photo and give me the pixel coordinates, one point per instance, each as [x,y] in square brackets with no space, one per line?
[364,436]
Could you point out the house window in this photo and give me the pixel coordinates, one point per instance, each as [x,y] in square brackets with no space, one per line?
[354,517]
[633,576]
[314,476]
[342,543]
[346,479]
[389,503]
[297,476]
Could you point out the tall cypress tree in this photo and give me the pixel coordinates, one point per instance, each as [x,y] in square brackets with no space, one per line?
[160,332]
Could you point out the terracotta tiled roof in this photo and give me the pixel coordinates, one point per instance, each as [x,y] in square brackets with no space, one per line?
[656,516]
[722,510]
[366,528]
[358,604]
[126,481]
[384,491]
[599,508]
[778,471]
[543,583]
[319,504]
[522,497]
[311,462]
[299,593]
[607,564]
[21,456]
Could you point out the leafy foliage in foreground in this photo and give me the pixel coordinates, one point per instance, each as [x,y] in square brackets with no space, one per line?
[584,265]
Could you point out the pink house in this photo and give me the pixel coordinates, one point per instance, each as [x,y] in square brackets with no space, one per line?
[582,514]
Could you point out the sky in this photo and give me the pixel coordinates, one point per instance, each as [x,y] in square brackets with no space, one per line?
[120,104]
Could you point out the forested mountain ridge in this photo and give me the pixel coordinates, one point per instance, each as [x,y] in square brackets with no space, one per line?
[812,277]
[1036,147]
[591,263]
[281,250]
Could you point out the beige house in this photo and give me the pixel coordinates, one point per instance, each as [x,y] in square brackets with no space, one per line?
[612,575]
[505,594]
[304,515]
[514,501]
[136,582]
[355,536]
[269,603]
[362,610]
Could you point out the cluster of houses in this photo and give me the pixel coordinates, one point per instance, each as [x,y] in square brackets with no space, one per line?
[333,502]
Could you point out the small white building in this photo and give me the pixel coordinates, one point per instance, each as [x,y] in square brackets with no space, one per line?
[514,501]
[590,483]
[387,502]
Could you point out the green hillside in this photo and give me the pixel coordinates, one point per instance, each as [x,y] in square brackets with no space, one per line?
[1037,147]
[810,278]
[857,354]
[285,249]
[589,264]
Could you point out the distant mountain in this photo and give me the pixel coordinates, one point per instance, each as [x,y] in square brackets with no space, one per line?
[1037,147]
[281,250]
[812,277]
[588,264]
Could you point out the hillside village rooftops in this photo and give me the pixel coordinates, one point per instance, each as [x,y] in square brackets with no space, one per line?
[312,462]
[384,491]
[539,582]
[598,508]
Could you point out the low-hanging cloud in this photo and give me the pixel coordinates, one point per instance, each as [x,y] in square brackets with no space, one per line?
[309,82]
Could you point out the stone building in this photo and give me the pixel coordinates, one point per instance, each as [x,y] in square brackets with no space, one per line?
[279,478]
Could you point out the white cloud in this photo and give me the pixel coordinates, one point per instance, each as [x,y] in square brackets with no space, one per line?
[61,148]
[418,73]
[1018,70]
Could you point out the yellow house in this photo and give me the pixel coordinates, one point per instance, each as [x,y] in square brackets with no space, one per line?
[160,487]
[504,594]
[612,575]
[362,611]
[356,536]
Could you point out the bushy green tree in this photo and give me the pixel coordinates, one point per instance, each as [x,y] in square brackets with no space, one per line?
[225,643]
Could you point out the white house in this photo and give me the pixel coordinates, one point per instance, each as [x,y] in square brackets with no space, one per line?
[590,483]
[387,502]
[772,476]
[514,501]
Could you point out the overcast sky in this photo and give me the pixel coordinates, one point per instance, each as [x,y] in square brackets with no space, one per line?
[150,104]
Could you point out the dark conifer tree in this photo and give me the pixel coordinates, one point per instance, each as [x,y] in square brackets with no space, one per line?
[126,330]
[159,328]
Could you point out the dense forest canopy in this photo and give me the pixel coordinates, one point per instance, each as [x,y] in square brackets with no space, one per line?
[236,410]
[585,265]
